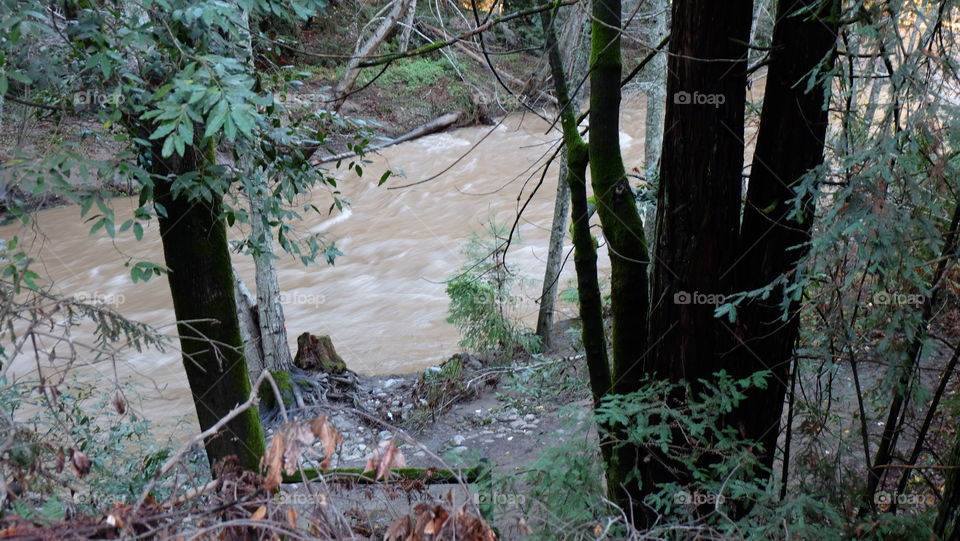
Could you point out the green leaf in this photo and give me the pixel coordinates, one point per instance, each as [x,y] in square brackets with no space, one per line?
[163,130]
[138,230]
[167,149]
[383,178]
[216,118]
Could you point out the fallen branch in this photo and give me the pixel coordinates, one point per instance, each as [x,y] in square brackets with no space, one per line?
[440,123]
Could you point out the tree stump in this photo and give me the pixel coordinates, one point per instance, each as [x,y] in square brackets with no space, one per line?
[316,353]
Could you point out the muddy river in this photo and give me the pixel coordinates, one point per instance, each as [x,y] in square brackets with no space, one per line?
[383,302]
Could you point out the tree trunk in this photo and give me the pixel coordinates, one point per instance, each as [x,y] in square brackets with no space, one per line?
[407,27]
[790,141]
[654,30]
[584,251]
[616,204]
[273,329]
[551,275]
[201,282]
[249,327]
[947,524]
[698,203]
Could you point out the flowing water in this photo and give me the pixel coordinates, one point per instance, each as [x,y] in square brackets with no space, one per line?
[383,302]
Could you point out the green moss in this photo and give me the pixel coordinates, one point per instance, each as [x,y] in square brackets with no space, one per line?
[268,399]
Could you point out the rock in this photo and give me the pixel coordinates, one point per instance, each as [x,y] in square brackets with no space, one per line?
[529,417]
[459,450]
[518,424]
[459,439]
[316,353]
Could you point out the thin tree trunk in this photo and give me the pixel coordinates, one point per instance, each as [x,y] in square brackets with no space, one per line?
[551,275]
[655,28]
[616,204]
[623,233]
[407,27]
[249,328]
[585,251]
[568,56]
[201,282]
[790,143]
[273,330]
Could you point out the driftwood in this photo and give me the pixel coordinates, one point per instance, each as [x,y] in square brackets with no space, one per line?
[440,123]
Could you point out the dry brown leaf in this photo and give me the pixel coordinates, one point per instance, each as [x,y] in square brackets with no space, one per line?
[79,462]
[297,438]
[61,460]
[385,457]
[292,518]
[259,513]
[471,528]
[273,462]
[439,517]
[288,445]
[329,436]
[399,530]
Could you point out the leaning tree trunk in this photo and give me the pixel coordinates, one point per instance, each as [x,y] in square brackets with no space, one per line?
[551,275]
[790,141]
[201,282]
[352,71]
[698,203]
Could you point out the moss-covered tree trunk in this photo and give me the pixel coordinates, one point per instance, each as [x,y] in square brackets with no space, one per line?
[616,204]
[790,141]
[201,282]
[584,249]
[622,230]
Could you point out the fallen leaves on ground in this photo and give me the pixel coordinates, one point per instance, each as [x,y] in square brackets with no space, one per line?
[435,523]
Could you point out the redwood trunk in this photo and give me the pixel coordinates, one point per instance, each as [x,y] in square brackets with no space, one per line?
[793,125]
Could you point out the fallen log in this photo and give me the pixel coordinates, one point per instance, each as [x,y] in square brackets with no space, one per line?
[427,475]
[442,122]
